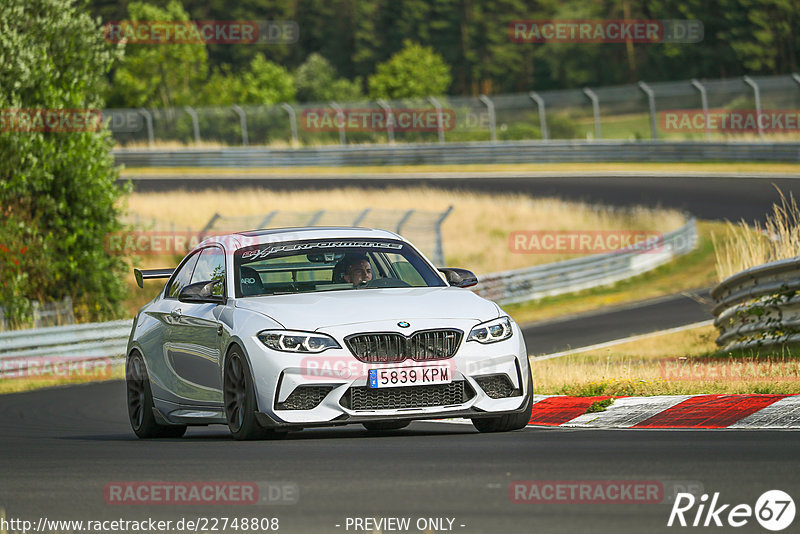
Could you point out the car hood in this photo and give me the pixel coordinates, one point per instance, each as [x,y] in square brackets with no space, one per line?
[310,311]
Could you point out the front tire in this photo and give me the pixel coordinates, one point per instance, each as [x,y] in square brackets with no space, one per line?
[507,423]
[140,403]
[240,400]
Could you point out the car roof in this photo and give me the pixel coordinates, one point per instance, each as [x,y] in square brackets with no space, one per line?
[276,235]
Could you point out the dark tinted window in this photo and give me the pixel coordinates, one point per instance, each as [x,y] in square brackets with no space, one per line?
[330,265]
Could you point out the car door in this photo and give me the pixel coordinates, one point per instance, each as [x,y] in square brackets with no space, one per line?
[194,351]
[154,341]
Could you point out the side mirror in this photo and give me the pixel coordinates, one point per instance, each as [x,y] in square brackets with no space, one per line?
[459,277]
[201,292]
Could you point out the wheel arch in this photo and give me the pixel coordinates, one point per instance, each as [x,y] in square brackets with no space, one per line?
[135,349]
[235,342]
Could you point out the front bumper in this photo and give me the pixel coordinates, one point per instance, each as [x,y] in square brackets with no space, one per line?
[335,378]
[266,420]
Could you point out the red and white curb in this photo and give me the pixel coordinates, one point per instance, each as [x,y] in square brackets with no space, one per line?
[666,411]
[671,411]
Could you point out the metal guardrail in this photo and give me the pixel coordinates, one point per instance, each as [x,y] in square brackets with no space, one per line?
[759,307]
[109,340]
[583,273]
[460,153]
[20,349]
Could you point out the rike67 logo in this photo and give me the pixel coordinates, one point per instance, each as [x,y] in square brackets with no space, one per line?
[774,510]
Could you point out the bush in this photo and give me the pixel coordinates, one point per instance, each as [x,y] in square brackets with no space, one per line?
[415,71]
[316,81]
[57,188]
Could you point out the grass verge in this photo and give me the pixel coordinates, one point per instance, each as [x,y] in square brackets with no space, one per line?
[743,246]
[16,385]
[679,363]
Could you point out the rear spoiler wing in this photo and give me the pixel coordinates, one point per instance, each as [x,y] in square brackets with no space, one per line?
[148,274]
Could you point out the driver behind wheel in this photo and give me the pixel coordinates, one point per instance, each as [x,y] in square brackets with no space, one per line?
[357,269]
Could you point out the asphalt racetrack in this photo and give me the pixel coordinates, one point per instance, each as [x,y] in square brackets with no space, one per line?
[619,322]
[61,447]
[706,197]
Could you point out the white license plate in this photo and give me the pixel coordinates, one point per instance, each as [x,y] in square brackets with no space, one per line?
[409,376]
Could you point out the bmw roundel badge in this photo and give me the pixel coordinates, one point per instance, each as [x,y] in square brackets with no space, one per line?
[403,324]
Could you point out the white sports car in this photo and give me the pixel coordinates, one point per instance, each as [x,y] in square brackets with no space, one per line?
[272,331]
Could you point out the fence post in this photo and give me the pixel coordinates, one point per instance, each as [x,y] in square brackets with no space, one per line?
[703,102]
[439,125]
[292,122]
[438,254]
[542,118]
[596,110]
[67,315]
[389,118]
[208,226]
[651,101]
[403,220]
[195,123]
[315,218]
[242,122]
[757,94]
[148,119]
[492,120]
[340,117]
[267,219]
[361,217]
[36,314]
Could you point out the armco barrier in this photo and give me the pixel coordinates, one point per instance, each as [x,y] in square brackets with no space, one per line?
[80,342]
[583,273]
[460,153]
[759,307]
[109,340]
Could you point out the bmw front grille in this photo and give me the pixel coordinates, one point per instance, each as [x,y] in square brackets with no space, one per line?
[391,347]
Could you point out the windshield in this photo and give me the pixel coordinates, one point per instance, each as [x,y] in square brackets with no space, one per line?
[329,265]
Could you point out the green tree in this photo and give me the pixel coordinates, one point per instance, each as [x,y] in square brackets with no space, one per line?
[58,198]
[316,81]
[154,75]
[763,34]
[415,71]
[263,83]
[741,37]
[266,83]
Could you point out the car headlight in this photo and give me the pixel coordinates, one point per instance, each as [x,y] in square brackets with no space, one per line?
[292,341]
[491,331]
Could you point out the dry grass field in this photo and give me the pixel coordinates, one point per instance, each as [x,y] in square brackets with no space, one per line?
[475,235]
[742,246]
